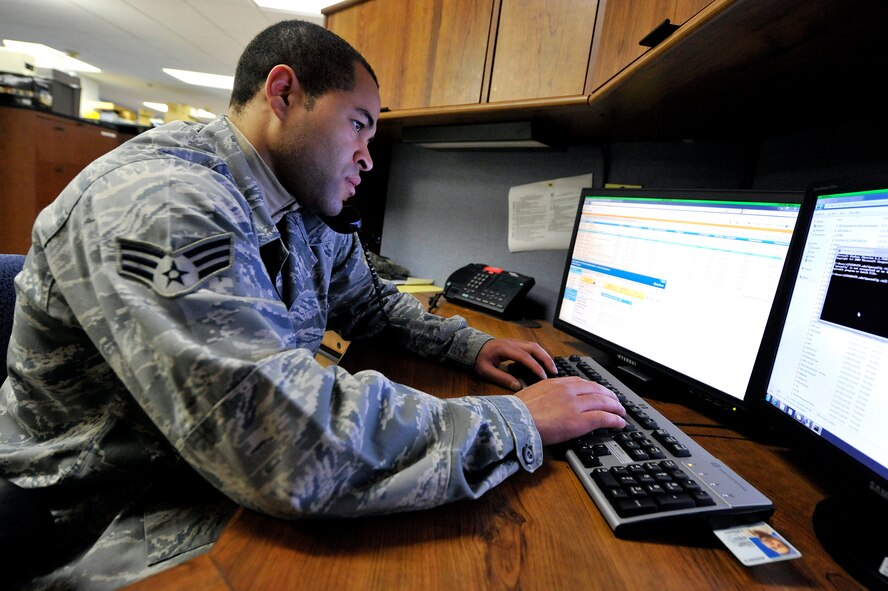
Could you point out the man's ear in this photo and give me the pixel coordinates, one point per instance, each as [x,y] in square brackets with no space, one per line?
[281,89]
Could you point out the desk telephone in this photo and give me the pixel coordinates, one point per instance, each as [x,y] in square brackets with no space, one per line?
[487,288]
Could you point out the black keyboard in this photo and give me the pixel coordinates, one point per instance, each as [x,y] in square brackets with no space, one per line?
[650,473]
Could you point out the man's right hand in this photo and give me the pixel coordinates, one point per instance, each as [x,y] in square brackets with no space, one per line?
[564,408]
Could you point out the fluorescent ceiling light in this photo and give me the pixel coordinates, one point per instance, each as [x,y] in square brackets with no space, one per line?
[47,57]
[202,79]
[162,107]
[303,6]
[202,114]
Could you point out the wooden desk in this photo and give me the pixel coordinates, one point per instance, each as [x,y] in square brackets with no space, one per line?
[534,531]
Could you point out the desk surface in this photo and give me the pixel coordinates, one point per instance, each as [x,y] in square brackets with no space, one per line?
[534,531]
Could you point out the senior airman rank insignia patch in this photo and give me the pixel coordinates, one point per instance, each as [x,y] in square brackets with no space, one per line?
[174,273]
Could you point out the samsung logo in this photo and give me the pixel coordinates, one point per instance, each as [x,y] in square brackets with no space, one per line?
[878,490]
[626,359]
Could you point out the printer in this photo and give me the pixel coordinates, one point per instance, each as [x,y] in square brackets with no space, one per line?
[16,62]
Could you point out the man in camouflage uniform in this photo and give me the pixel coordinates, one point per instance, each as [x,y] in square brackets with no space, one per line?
[167,320]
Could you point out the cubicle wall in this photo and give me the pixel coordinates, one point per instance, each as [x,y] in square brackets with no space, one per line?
[446,209]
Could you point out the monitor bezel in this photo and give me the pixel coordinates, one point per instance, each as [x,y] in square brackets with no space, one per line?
[795,434]
[678,386]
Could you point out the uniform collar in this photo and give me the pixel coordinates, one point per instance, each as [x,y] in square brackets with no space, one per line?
[276,199]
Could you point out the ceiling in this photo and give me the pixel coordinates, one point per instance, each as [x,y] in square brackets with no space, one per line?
[132,40]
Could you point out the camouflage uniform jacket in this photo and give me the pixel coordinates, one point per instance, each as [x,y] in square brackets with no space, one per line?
[161,316]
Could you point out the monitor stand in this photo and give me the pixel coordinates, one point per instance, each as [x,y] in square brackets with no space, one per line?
[852,530]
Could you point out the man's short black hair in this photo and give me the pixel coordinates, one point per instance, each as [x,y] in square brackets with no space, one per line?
[322,60]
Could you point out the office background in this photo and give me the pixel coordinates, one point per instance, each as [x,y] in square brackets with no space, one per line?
[448,208]
[440,210]
[751,67]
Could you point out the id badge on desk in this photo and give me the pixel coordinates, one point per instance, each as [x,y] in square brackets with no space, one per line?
[757,543]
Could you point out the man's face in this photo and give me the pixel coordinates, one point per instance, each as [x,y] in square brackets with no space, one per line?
[320,154]
[775,545]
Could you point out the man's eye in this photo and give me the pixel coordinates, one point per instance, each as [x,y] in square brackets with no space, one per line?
[358,125]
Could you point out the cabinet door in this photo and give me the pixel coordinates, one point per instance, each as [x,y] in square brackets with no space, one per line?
[18,173]
[41,152]
[64,148]
[427,53]
[94,141]
[622,24]
[542,49]
[56,141]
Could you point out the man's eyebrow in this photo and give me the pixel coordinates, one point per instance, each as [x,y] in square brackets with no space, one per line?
[370,121]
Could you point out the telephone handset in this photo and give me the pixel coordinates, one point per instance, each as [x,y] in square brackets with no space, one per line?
[348,221]
[487,288]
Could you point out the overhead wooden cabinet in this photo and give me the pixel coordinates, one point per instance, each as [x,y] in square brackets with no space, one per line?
[39,155]
[732,68]
[439,53]
[425,54]
[542,49]
[622,25]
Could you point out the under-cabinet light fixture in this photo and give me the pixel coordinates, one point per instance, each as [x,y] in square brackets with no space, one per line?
[520,135]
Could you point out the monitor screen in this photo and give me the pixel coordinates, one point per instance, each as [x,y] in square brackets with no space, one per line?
[826,381]
[677,284]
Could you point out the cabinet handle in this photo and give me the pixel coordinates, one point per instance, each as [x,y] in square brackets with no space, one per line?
[659,33]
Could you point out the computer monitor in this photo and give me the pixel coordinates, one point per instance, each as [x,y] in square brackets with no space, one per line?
[825,383]
[676,286]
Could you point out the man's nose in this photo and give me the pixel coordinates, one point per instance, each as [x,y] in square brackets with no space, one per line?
[365,162]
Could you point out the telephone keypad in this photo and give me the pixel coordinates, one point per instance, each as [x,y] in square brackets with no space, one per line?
[490,289]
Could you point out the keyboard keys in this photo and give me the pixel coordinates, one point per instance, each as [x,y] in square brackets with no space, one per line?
[632,507]
[648,487]
[604,479]
[670,443]
[702,498]
[674,501]
[588,459]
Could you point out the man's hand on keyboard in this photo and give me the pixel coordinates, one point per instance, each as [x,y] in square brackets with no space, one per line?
[528,354]
[568,407]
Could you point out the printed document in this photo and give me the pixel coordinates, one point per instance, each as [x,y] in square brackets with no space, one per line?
[541,215]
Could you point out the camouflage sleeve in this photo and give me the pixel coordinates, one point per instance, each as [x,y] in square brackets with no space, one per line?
[355,313]
[211,358]
[355,444]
